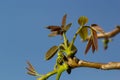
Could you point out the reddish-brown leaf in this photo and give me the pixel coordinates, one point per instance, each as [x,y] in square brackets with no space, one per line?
[64,20]
[97,28]
[54,28]
[89,44]
[93,48]
[94,38]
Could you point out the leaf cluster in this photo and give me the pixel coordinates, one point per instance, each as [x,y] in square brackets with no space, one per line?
[67,49]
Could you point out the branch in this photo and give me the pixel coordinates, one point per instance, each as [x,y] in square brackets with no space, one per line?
[75,63]
[113,33]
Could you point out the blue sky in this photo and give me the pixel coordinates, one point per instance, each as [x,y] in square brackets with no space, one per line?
[23,36]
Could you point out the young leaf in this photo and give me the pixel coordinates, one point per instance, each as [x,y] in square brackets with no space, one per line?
[90,42]
[83,33]
[93,48]
[58,30]
[51,52]
[54,33]
[64,20]
[31,70]
[64,26]
[94,38]
[82,20]
[67,26]
[97,28]
[54,28]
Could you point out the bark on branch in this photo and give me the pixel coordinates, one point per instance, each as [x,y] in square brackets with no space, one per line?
[75,63]
[110,34]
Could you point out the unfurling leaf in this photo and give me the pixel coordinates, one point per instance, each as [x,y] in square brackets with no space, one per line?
[97,28]
[83,33]
[82,20]
[51,52]
[59,30]
[31,70]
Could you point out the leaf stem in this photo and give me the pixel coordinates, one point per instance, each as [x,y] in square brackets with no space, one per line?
[65,40]
[74,37]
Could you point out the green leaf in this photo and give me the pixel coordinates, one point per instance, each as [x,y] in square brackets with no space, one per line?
[51,52]
[83,33]
[82,20]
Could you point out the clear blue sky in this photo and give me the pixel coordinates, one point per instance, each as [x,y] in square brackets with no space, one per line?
[23,36]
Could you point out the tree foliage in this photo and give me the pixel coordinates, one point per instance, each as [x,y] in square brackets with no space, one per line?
[66,52]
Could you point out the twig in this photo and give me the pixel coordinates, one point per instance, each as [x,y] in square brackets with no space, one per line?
[110,34]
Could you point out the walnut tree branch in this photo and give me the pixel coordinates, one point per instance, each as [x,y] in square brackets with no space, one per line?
[110,34]
[75,63]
